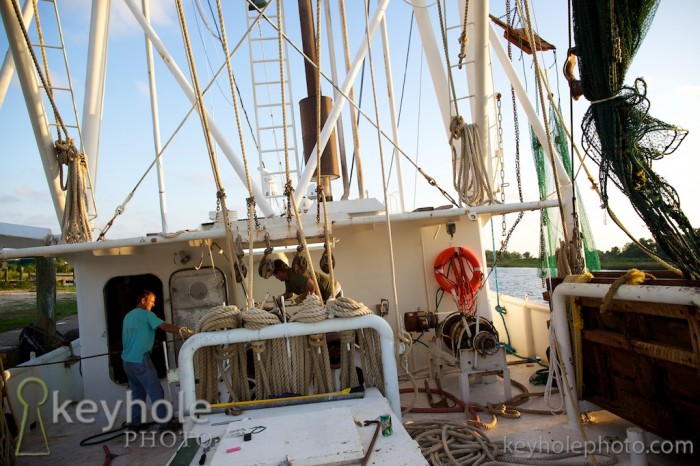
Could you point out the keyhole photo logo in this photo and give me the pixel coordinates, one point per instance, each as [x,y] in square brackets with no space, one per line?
[40,401]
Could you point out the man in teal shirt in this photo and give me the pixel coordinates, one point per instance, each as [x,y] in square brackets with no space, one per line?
[138,335]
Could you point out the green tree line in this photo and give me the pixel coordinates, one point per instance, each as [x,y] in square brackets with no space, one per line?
[629,255]
[12,270]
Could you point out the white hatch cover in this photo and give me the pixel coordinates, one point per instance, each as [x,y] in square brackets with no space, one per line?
[322,437]
[193,293]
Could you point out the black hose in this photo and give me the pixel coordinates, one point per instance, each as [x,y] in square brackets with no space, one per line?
[114,434]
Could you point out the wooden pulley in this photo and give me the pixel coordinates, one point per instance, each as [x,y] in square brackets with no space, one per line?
[241,271]
[267,264]
[299,263]
[324,260]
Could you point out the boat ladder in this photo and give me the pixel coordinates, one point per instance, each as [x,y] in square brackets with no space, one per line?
[270,127]
[60,83]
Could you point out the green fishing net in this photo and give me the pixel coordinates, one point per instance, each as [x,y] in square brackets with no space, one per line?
[549,223]
[619,134]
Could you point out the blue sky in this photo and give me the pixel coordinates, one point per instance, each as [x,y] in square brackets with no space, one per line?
[665,60]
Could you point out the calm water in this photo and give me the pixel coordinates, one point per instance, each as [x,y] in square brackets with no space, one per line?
[517,282]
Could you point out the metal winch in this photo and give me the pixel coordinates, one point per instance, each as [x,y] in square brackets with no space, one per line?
[461,331]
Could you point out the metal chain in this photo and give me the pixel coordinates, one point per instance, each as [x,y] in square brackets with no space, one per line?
[250,204]
[288,193]
[516,126]
[319,197]
[500,154]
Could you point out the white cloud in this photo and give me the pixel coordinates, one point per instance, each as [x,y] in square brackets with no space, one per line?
[8,199]
[161,12]
[27,192]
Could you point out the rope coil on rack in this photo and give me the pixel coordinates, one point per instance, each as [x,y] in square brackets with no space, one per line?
[312,349]
[209,360]
[368,340]
[470,178]
[75,225]
[264,351]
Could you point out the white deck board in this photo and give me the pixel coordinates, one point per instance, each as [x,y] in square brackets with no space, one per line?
[317,437]
[397,449]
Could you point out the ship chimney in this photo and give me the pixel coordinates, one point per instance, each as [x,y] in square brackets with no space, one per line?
[307,106]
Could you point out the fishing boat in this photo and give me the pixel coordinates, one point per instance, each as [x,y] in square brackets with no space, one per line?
[273,132]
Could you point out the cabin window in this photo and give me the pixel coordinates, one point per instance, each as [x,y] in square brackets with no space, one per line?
[120,294]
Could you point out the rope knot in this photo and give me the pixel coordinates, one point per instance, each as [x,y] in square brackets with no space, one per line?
[631,277]
[456,127]
[317,340]
[258,347]
[347,337]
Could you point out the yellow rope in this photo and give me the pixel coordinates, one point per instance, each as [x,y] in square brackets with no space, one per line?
[7,441]
[631,277]
[319,187]
[370,349]
[573,310]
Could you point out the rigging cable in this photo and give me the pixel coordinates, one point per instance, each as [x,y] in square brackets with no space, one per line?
[403,336]
[221,194]
[470,179]
[122,207]
[527,23]
[250,201]
[75,226]
[431,181]
[403,88]
[354,116]
[319,187]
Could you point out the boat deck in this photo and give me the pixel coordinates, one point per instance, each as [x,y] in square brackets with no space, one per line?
[547,432]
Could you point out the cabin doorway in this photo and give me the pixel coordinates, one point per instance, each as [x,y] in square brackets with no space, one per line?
[120,294]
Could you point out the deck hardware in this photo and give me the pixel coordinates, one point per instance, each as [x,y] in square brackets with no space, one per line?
[378,426]
[206,447]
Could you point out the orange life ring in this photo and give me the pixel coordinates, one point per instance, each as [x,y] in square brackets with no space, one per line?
[458,270]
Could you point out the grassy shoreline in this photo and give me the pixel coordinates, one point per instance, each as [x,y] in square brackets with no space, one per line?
[20,313]
[617,264]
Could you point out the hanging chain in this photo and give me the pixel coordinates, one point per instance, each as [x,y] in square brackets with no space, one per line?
[516,125]
[288,193]
[319,197]
[500,155]
[250,204]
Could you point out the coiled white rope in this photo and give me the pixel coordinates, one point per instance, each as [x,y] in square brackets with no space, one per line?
[468,170]
[445,442]
[209,361]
